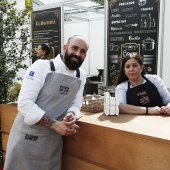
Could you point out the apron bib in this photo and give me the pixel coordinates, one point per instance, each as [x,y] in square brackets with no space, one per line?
[145,95]
[38,147]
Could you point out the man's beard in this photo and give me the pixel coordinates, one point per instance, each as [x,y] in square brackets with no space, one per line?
[72,65]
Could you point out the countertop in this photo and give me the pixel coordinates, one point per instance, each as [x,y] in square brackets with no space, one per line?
[156,126]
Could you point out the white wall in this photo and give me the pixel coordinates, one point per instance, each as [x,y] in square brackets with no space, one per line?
[166,46]
[96,46]
[78,28]
[93,32]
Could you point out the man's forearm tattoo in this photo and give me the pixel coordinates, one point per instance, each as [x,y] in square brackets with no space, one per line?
[46,120]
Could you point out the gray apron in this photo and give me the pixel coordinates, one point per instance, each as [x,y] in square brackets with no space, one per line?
[38,147]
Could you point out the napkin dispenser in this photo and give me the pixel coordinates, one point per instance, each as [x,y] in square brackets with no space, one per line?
[111,106]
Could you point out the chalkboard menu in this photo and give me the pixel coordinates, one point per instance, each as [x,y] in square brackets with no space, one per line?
[132,28]
[46,28]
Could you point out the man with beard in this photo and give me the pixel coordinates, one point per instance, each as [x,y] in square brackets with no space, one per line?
[49,103]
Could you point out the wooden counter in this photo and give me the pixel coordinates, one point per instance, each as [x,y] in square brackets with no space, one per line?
[124,142]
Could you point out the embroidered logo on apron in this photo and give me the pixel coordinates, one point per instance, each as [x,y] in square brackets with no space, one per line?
[64,90]
[144,99]
[31,137]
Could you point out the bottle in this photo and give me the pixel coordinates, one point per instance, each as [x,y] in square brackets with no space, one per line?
[153,23]
[149,21]
[144,23]
[141,23]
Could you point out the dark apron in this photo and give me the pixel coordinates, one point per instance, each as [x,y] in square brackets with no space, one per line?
[145,95]
[38,147]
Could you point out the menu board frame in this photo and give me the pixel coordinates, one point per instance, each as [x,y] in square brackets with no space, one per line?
[132,26]
[46,28]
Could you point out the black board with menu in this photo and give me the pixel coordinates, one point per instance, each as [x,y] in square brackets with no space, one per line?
[132,28]
[46,28]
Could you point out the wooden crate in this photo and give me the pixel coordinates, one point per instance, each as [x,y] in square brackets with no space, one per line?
[4,140]
[4,155]
[8,114]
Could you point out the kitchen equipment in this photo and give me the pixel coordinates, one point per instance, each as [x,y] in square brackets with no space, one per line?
[148,44]
[100,75]
[110,89]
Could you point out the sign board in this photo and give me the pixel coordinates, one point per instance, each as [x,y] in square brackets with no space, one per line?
[132,28]
[46,28]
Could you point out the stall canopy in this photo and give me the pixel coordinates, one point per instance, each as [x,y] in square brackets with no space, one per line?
[74,10]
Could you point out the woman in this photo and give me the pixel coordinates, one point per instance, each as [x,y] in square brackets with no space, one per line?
[44,51]
[140,93]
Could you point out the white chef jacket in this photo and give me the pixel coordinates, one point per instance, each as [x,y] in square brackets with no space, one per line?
[33,83]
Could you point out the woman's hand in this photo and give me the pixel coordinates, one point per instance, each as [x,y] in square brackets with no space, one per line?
[165,110]
[140,110]
[154,110]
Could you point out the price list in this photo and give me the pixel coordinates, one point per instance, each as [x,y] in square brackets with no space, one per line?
[132,28]
[46,28]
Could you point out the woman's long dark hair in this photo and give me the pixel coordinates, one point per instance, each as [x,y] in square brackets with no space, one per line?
[122,76]
[49,51]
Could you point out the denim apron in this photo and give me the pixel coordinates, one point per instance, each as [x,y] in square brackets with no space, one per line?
[37,147]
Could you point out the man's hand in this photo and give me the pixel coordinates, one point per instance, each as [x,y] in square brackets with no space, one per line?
[70,118]
[70,122]
[66,127]
[60,127]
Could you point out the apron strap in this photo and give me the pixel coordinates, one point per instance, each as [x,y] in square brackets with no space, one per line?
[128,85]
[146,79]
[52,66]
[78,73]
[53,69]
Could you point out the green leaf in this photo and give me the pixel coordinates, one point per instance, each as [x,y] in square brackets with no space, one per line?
[14,47]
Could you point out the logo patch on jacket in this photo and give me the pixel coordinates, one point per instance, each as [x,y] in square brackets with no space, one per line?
[64,90]
[30,75]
